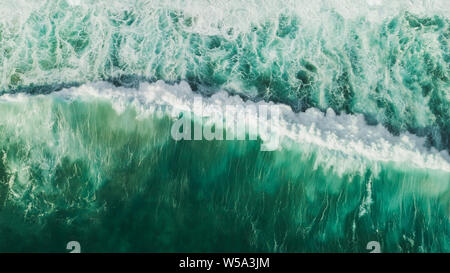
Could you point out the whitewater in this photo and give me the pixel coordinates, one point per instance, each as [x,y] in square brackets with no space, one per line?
[348,135]
[387,60]
[88,91]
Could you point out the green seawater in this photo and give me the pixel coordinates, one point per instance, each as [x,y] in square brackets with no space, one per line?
[118,183]
[95,170]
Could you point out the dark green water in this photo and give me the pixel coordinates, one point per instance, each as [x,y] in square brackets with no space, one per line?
[117,183]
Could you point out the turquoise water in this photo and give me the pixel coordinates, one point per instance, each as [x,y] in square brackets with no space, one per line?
[95,164]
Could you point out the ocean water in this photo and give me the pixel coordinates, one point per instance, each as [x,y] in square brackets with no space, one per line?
[364,131]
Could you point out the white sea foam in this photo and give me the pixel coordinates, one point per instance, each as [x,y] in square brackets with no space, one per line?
[319,51]
[232,11]
[345,134]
